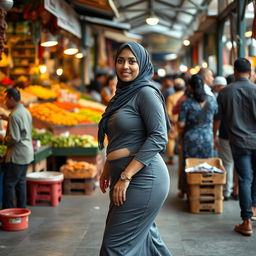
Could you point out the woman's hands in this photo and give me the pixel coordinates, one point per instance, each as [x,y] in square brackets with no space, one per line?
[119,192]
[105,179]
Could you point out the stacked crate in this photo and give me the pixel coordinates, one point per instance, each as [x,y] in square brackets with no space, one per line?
[205,189]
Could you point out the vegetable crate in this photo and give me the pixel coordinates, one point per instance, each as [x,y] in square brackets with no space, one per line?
[74,186]
[205,189]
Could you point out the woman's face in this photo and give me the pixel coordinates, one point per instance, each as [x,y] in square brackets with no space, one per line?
[127,67]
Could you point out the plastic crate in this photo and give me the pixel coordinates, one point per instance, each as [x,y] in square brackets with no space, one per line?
[205,191]
[205,178]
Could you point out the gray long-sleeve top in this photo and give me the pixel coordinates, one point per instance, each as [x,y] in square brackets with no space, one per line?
[140,126]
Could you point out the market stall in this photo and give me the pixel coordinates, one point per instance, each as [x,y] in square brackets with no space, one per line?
[43,58]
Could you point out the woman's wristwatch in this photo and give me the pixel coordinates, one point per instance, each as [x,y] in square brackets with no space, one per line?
[124,177]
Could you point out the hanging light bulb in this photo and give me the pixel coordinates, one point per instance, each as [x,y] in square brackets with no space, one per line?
[186,42]
[59,71]
[205,64]
[42,69]
[48,40]
[152,19]
[79,55]
[71,50]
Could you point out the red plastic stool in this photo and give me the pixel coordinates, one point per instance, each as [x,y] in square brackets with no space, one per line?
[44,191]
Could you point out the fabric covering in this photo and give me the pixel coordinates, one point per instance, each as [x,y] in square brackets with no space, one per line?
[127,90]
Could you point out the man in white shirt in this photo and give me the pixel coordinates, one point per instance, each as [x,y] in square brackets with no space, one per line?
[207,75]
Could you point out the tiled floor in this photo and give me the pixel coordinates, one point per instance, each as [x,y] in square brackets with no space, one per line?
[75,227]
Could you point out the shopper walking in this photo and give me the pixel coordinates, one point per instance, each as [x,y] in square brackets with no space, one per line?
[195,123]
[237,105]
[136,124]
[208,78]
[221,143]
[179,86]
[19,150]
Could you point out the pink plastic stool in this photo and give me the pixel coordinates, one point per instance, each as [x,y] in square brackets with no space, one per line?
[44,188]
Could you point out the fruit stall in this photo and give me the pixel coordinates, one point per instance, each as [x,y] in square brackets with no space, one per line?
[65,128]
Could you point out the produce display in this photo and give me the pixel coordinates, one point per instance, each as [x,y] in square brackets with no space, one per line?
[67,105]
[86,141]
[44,136]
[51,113]
[64,140]
[89,114]
[74,169]
[41,92]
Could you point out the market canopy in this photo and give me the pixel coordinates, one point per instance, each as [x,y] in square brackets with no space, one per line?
[176,18]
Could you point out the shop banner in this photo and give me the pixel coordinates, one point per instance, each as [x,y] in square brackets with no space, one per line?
[66,16]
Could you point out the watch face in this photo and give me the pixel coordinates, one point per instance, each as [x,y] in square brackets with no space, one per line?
[123,176]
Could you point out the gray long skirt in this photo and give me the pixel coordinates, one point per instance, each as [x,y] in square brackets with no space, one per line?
[130,229]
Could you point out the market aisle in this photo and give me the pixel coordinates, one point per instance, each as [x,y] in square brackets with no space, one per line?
[75,227]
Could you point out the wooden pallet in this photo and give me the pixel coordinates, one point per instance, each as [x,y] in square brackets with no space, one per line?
[74,186]
[206,205]
[202,191]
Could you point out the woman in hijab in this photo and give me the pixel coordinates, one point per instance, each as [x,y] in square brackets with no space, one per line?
[136,124]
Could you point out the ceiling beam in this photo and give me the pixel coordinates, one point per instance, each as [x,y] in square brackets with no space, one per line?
[135,18]
[124,8]
[167,4]
[205,3]
[176,16]
[163,9]
[177,8]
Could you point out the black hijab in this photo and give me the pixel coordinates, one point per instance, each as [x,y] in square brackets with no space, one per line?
[127,90]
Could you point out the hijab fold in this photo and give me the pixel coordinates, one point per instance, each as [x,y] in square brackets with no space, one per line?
[127,90]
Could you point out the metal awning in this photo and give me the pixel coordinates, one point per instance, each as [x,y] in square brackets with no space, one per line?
[178,19]
[104,22]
